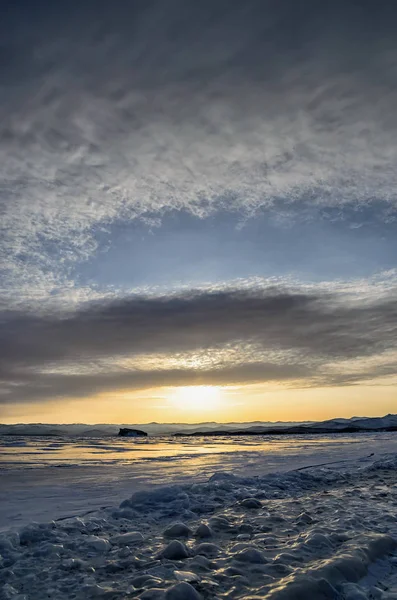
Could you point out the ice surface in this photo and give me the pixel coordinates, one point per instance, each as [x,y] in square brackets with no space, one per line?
[44,479]
[313,533]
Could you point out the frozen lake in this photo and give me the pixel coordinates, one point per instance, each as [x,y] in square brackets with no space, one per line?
[44,478]
[164,518]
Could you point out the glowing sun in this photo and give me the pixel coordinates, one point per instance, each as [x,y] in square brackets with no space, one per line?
[196,397]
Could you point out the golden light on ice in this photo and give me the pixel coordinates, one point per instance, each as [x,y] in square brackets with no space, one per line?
[197,397]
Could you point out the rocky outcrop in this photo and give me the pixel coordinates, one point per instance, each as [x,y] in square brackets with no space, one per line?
[126,432]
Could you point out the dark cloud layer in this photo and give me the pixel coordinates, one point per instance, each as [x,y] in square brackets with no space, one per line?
[276,334]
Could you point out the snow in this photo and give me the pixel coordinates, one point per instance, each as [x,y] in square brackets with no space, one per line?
[276,526]
[362,422]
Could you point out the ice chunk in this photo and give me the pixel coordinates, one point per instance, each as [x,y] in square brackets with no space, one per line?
[97,543]
[132,537]
[177,530]
[251,503]
[207,549]
[187,576]
[182,591]
[250,555]
[175,551]
[203,531]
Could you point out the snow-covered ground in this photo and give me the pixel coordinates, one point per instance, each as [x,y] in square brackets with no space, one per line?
[275,530]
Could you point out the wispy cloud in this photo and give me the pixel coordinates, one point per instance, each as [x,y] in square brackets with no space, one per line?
[130,110]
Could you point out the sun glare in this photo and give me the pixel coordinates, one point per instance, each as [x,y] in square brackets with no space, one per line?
[200,397]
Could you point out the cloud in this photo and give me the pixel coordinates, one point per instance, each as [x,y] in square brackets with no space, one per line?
[126,111]
[129,111]
[307,336]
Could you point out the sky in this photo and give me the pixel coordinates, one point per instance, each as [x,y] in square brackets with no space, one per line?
[198,210]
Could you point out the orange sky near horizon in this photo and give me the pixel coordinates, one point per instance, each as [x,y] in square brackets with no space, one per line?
[210,403]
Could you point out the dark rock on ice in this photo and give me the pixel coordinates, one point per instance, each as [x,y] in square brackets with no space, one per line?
[126,432]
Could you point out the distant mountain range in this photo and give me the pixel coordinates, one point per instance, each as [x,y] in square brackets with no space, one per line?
[341,425]
[109,429]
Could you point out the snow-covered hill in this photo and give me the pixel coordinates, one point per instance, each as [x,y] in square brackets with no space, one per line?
[106,429]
